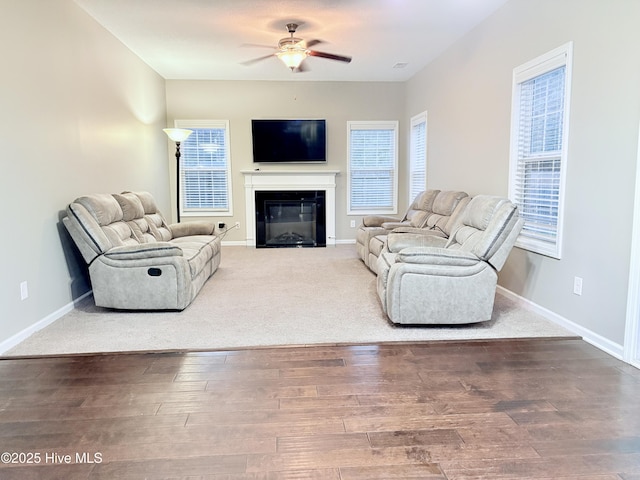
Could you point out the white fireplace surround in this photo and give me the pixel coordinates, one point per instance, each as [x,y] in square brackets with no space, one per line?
[287,180]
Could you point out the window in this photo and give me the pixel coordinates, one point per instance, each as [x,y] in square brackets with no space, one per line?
[418,156]
[539,128]
[205,169]
[372,167]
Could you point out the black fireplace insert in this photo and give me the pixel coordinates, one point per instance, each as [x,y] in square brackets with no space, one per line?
[291,218]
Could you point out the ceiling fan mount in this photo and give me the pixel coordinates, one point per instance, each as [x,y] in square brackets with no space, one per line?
[293,50]
[291,40]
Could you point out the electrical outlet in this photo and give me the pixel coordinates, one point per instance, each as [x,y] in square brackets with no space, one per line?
[237,225]
[577,285]
[353,224]
[24,291]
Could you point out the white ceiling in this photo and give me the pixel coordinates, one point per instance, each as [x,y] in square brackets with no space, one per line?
[206,39]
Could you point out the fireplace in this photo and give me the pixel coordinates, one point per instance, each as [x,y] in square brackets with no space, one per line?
[291,218]
[291,181]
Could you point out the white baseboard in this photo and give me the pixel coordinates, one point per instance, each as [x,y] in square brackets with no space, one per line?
[587,335]
[234,243]
[11,342]
[346,241]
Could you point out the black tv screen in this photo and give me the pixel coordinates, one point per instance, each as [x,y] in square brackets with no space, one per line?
[293,141]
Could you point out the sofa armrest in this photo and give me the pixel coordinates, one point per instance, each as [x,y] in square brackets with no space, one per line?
[398,241]
[437,256]
[394,225]
[377,220]
[144,250]
[191,228]
[421,230]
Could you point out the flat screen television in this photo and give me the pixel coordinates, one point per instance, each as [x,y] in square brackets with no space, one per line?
[289,141]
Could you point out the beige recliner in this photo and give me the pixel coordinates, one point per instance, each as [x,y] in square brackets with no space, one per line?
[449,281]
[373,225]
[431,209]
[136,260]
[445,212]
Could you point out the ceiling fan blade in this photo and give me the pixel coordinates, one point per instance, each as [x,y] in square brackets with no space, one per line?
[330,56]
[255,60]
[311,43]
[259,45]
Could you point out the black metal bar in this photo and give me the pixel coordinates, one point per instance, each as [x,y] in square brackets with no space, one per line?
[177,182]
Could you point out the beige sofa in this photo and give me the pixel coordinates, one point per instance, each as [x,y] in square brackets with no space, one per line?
[427,279]
[136,260]
[433,212]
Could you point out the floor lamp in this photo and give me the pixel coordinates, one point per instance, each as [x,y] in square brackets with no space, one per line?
[177,135]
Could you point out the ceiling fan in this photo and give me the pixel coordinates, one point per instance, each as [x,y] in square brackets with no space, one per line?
[292,51]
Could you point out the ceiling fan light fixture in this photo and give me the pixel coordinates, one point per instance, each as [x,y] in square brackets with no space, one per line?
[292,57]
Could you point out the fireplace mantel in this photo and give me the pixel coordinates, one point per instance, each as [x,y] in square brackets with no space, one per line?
[285,180]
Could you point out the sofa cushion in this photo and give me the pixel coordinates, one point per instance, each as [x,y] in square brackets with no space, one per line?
[133,214]
[421,208]
[198,250]
[444,205]
[102,207]
[446,202]
[158,227]
[106,212]
[131,206]
[119,233]
[481,210]
[148,202]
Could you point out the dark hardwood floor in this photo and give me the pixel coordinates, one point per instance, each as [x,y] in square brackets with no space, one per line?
[527,409]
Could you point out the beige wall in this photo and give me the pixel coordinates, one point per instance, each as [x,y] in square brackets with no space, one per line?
[80,114]
[467,93]
[239,102]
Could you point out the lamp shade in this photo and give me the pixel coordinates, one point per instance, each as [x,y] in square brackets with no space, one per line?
[177,134]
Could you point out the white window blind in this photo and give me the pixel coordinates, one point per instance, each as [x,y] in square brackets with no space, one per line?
[539,149]
[373,161]
[205,171]
[418,156]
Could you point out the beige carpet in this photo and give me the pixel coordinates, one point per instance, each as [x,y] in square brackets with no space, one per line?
[266,297]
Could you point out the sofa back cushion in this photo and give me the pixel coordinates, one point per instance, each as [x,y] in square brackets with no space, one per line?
[444,206]
[101,219]
[133,214]
[421,208]
[486,223]
[158,227]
